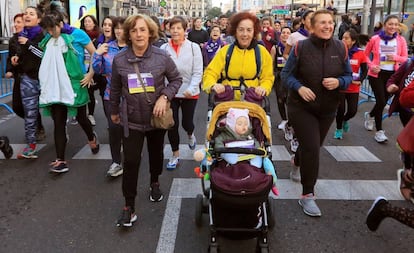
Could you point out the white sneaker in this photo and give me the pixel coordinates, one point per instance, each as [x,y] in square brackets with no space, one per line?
[192,142]
[380,136]
[368,122]
[282,125]
[92,120]
[72,120]
[173,163]
[294,144]
[115,170]
[288,132]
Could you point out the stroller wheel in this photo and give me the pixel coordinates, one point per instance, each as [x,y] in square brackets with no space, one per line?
[261,246]
[199,210]
[213,248]
[270,213]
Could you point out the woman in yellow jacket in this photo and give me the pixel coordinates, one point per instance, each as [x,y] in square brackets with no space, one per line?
[245,27]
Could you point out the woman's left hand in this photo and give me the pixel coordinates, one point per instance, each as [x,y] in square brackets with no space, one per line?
[160,106]
[260,91]
[330,83]
[87,81]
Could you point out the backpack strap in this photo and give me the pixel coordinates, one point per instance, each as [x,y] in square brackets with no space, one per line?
[257,55]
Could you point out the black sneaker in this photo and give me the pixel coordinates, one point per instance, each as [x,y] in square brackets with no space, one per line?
[375,215]
[94,144]
[155,192]
[5,147]
[127,217]
[59,167]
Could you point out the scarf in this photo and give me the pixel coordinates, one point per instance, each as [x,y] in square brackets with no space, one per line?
[281,46]
[67,29]
[93,34]
[387,38]
[212,47]
[31,32]
[303,32]
[352,51]
[101,39]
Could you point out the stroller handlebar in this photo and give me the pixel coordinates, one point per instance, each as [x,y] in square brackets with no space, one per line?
[253,151]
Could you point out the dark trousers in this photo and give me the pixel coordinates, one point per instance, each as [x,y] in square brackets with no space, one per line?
[310,130]
[405,117]
[348,103]
[132,148]
[59,116]
[381,95]
[115,134]
[187,110]
[100,84]
[281,95]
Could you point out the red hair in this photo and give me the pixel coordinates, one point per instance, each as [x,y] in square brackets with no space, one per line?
[18,15]
[237,18]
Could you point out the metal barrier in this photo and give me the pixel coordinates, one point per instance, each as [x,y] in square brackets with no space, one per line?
[6,84]
[367,91]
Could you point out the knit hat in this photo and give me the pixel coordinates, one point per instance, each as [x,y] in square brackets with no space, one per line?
[233,114]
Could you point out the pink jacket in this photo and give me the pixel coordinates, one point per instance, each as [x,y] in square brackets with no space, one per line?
[373,47]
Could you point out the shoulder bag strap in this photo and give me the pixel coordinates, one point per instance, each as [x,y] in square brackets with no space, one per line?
[142,82]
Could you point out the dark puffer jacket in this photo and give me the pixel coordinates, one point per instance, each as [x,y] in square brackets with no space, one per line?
[136,111]
[313,60]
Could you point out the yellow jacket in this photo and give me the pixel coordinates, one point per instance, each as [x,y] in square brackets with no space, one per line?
[242,63]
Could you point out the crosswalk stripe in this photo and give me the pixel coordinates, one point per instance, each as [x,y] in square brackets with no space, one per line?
[279,153]
[325,189]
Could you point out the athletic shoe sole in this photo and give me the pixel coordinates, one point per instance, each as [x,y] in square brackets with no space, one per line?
[118,173]
[134,218]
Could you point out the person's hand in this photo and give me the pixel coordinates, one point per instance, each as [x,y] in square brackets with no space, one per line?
[160,106]
[22,40]
[115,118]
[330,83]
[375,69]
[8,75]
[102,49]
[392,88]
[260,91]
[87,81]
[306,94]
[268,37]
[14,60]
[218,88]
[357,82]
[187,94]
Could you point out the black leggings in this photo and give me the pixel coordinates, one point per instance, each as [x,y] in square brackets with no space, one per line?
[132,147]
[350,101]
[310,130]
[187,113]
[408,160]
[59,116]
[381,95]
[281,95]
[100,84]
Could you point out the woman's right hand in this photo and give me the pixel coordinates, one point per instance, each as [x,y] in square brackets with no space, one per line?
[218,88]
[8,75]
[392,88]
[102,49]
[115,118]
[375,69]
[306,94]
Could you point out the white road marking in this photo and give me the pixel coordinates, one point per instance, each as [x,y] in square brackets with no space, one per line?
[351,154]
[325,190]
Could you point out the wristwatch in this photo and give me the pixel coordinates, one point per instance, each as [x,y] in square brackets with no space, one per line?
[165,97]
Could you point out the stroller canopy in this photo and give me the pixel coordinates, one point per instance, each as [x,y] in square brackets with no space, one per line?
[255,111]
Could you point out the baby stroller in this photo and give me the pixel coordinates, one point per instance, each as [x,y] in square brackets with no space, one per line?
[238,200]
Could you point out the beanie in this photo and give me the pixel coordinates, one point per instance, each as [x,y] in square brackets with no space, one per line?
[233,115]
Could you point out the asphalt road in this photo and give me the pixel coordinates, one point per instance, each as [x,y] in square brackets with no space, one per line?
[76,212]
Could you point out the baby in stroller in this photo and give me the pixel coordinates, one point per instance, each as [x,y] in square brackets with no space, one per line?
[237,133]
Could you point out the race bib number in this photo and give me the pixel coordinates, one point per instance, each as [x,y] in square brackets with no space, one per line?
[135,86]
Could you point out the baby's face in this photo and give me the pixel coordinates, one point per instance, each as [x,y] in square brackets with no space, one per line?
[242,125]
